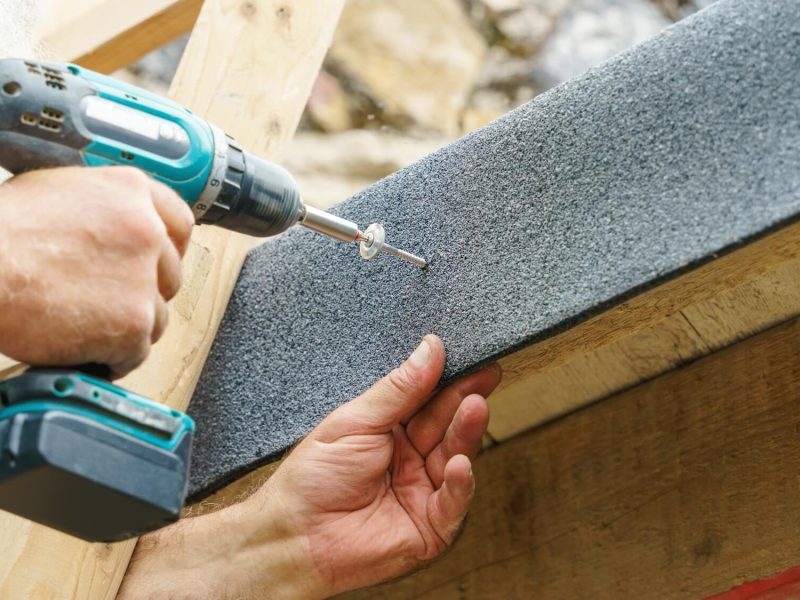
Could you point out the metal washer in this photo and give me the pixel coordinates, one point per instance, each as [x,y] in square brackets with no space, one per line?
[372,246]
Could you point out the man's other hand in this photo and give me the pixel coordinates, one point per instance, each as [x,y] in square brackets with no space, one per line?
[377,489]
[88,259]
[383,484]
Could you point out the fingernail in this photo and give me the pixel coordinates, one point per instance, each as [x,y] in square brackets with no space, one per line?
[421,356]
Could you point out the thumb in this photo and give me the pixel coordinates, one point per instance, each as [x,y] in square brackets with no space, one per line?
[392,399]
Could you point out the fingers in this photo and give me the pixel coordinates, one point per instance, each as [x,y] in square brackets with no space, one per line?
[463,437]
[130,360]
[427,428]
[448,505]
[175,213]
[119,236]
[391,399]
[170,271]
[179,220]
[161,319]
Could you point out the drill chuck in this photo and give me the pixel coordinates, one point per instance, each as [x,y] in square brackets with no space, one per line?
[256,197]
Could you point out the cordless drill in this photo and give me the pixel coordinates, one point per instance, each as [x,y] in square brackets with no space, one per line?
[78,453]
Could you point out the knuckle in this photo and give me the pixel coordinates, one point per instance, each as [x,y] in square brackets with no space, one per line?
[402,380]
[188,223]
[183,222]
[159,327]
[178,278]
[133,342]
[184,231]
[130,177]
[172,196]
[138,321]
[172,283]
[138,227]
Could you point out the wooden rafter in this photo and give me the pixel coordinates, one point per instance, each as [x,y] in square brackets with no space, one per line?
[682,487]
[679,321]
[106,35]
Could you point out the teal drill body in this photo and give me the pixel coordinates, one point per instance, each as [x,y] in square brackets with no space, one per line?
[78,453]
[54,114]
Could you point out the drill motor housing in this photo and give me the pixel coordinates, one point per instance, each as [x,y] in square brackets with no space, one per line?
[52,115]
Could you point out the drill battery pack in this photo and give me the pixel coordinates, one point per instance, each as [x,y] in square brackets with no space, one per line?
[84,456]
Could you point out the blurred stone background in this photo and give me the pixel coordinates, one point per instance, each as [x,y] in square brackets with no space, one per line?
[404,77]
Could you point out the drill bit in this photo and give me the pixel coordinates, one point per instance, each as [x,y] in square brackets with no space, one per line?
[372,241]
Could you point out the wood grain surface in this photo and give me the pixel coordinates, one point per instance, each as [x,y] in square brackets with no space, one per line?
[696,313]
[106,35]
[682,487]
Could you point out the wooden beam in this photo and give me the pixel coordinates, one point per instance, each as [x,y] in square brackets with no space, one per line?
[8,367]
[682,487]
[730,298]
[249,68]
[106,35]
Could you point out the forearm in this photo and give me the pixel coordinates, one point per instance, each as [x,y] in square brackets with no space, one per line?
[239,552]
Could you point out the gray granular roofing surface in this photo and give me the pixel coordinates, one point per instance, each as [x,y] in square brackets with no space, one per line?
[657,161]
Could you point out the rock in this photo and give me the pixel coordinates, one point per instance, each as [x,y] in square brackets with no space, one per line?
[678,9]
[673,9]
[484,107]
[526,30]
[327,106]
[500,6]
[592,31]
[155,70]
[699,4]
[504,71]
[416,59]
[331,167]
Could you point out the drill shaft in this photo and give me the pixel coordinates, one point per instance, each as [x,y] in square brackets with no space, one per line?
[372,241]
[331,225]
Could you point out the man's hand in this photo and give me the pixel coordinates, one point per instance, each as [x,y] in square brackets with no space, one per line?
[380,487]
[88,259]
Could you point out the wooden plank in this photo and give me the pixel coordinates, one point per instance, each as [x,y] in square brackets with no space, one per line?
[682,487]
[249,68]
[106,35]
[679,321]
[8,367]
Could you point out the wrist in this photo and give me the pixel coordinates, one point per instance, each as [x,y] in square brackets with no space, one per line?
[6,264]
[12,277]
[245,551]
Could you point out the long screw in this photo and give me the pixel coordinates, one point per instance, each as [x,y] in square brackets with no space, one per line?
[372,242]
[407,256]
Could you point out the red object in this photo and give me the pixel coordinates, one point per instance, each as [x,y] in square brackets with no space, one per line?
[783,586]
